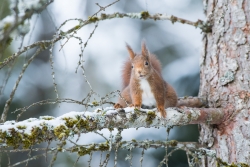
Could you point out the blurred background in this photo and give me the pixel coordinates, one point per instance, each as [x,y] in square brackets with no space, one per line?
[178,47]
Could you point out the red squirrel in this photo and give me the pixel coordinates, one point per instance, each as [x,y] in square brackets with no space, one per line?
[143,84]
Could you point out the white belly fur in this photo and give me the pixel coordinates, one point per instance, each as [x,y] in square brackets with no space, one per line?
[148,98]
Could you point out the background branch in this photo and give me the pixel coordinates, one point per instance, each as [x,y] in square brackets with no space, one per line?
[192,102]
[205,27]
[19,16]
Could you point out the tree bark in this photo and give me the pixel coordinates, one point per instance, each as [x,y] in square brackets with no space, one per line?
[225,76]
[33,131]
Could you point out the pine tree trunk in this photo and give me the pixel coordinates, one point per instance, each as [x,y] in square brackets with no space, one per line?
[225,79]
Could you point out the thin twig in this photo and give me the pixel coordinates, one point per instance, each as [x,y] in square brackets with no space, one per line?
[24,161]
[29,156]
[90,158]
[206,27]
[142,154]
[76,161]
[8,102]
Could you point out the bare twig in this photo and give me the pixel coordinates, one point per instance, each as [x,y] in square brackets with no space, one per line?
[142,154]
[8,102]
[76,161]
[83,48]
[143,15]
[29,156]
[90,158]
[29,159]
[19,19]
[53,71]
[42,44]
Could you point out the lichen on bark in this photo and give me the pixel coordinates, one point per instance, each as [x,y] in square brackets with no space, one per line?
[224,74]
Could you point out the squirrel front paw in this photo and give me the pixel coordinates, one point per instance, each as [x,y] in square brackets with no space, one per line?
[135,105]
[117,105]
[162,111]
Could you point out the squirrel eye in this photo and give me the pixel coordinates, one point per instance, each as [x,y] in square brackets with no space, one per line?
[146,63]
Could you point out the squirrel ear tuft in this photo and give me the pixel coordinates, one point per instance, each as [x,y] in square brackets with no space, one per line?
[130,51]
[144,50]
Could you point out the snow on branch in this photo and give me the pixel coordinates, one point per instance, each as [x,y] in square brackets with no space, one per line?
[33,131]
[18,20]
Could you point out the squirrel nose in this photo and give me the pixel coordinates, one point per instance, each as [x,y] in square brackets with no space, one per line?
[139,71]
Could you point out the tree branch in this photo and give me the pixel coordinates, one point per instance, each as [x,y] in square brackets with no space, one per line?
[33,131]
[18,17]
[123,145]
[45,44]
[194,148]
[205,27]
[196,102]
[192,102]
[8,102]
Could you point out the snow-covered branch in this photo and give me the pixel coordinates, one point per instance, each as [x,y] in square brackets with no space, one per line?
[46,128]
[18,20]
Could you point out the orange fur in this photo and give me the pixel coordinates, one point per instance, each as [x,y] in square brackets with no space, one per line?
[146,70]
[126,72]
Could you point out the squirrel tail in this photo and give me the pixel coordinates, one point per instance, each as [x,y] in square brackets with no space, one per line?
[155,63]
[126,73]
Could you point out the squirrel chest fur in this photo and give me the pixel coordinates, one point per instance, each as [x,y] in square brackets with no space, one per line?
[143,84]
[148,98]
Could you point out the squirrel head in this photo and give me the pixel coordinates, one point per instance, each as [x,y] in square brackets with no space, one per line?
[140,63]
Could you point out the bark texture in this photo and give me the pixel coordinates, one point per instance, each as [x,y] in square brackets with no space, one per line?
[225,78]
